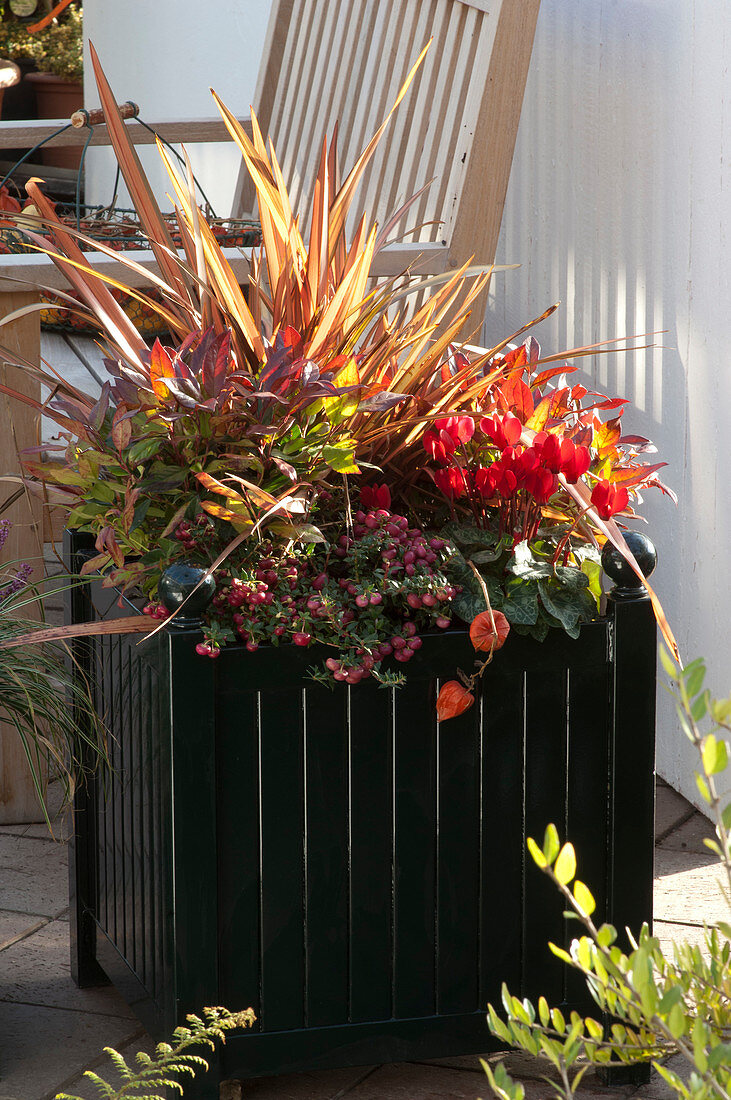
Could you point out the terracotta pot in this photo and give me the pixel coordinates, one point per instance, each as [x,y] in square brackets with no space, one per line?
[57,98]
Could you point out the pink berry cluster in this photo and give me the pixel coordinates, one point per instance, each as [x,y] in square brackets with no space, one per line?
[369,596]
[156,610]
[196,536]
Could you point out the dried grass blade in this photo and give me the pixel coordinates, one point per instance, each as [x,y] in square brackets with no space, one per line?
[132,624]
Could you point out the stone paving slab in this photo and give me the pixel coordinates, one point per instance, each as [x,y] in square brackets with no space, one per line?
[33,876]
[42,1047]
[689,836]
[37,971]
[13,925]
[688,883]
[326,1084]
[670,809]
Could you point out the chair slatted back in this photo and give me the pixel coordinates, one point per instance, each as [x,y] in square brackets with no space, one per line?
[344,61]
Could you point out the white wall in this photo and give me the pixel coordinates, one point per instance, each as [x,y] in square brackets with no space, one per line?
[620,205]
[165,55]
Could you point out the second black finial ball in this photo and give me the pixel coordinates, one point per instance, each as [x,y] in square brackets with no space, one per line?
[616,566]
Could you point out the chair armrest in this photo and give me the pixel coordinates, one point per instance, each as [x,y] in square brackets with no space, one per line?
[23,135]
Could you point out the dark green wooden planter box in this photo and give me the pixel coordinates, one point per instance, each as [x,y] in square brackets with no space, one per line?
[336,859]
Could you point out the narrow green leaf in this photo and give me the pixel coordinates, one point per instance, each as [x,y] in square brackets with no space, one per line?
[668,663]
[703,788]
[676,1021]
[537,855]
[551,843]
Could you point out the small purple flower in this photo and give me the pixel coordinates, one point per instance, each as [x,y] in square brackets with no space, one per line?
[5,527]
[22,573]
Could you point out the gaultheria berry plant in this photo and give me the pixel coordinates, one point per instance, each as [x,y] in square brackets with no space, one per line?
[322,443]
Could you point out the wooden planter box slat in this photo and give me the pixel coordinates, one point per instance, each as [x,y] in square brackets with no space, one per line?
[336,859]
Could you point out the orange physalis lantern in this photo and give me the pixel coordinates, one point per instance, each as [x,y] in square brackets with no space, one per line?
[453,700]
[482,634]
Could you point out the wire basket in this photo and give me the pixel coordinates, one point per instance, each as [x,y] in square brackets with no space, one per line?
[119,229]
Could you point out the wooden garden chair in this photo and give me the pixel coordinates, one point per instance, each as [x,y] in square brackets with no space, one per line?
[341,61]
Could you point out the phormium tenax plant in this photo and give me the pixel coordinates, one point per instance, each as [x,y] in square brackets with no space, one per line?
[326,447]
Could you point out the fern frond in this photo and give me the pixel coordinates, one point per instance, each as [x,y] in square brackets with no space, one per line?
[177,1059]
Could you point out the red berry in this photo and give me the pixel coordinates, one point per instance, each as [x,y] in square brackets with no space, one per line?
[320,582]
[398,642]
[361,601]
[443,622]
[203,649]
[300,637]
[375,599]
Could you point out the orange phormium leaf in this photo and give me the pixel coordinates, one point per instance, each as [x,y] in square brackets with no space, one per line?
[453,700]
[482,635]
[161,366]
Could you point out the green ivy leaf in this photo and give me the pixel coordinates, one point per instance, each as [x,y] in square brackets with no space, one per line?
[521,601]
[523,564]
[570,606]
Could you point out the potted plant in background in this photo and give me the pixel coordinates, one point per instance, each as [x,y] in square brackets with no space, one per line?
[42,697]
[54,46]
[329,481]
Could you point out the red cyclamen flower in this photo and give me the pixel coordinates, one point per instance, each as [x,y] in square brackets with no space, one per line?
[484,480]
[542,484]
[439,445]
[548,446]
[504,431]
[459,428]
[609,499]
[375,496]
[452,482]
[575,461]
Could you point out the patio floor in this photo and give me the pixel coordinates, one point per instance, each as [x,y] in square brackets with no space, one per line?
[51,1031]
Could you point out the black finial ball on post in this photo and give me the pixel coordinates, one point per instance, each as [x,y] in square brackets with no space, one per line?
[627,585]
[178,585]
